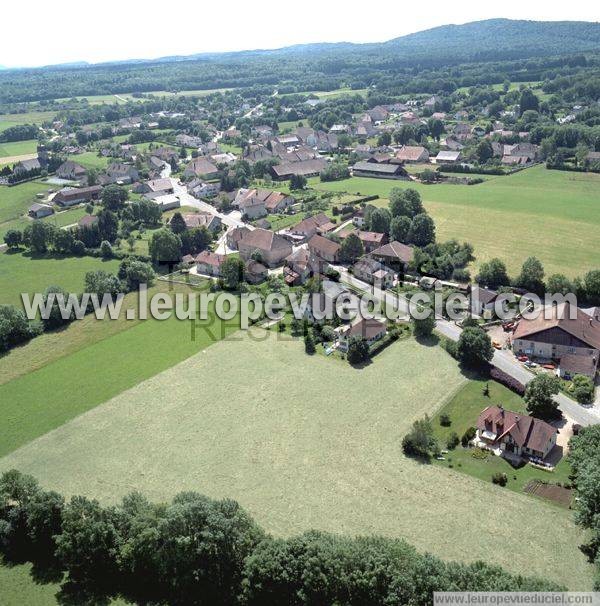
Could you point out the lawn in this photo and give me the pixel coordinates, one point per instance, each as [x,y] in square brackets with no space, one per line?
[298,445]
[532,212]
[59,219]
[18,148]
[463,409]
[21,272]
[91,160]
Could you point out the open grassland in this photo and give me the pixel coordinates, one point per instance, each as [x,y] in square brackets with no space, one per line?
[18,148]
[21,272]
[58,219]
[70,384]
[90,160]
[553,215]
[302,442]
[35,117]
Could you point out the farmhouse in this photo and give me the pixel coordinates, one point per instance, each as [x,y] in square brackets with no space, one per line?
[120,173]
[372,271]
[202,219]
[300,265]
[271,201]
[201,167]
[305,168]
[482,299]
[24,166]
[273,249]
[324,248]
[515,434]
[411,153]
[447,157]
[381,171]
[560,335]
[71,170]
[252,207]
[317,224]
[255,272]
[209,263]
[72,195]
[395,254]
[38,210]
[162,186]
[371,240]
[234,236]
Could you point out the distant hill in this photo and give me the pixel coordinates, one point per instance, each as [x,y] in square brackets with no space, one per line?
[502,36]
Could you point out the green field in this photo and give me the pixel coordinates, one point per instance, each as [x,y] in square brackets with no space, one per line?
[18,148]
[21,272]
[14,202]
[8,120]
[91,160]
[553,215]
[302,442]
[463,409]
[66,386]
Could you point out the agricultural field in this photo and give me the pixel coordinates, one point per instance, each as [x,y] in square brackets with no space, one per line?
[14,201]
[532,212]
[34,117]
[300,441]
[85,371]
[17,148]
[22,272]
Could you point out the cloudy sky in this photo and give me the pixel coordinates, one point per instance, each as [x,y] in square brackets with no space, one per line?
[65,30]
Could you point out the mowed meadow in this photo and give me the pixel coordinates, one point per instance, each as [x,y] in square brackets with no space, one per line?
[553,215]
[303,442]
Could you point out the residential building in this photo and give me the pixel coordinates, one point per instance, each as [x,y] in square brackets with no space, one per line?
[305,168]
[209,263]
[324,248]
[317,224]
[71,170]
[373,272]
[447,157]
[201,167]
[272,248]
[370,329]
[412,153]
[394,254]
[514,433]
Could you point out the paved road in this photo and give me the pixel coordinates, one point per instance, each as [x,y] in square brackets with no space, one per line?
[504,359]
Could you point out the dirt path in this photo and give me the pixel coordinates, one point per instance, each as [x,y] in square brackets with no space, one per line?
[14,159]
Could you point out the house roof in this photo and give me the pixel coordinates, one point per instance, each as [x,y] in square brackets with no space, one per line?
[304,167]
[395,250]
[578,365]
[207,257]
[582,327]
[373,167]
[263,239]
[483,295]
[201,166]
[87,220]
[448,156]
[159,184]
[410,153]
[323,246]
[368,328]
[526,431]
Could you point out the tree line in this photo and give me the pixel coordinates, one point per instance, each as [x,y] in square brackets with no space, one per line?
[197,550]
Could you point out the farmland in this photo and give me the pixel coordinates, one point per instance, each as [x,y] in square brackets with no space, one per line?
[18,148]
[308,448]
[66,386]
[33,117]
[25,273]
[532,212]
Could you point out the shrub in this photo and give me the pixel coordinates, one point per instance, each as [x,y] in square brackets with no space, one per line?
[500,479]
[505,379]
[453,441]
[468,436]
[445,420]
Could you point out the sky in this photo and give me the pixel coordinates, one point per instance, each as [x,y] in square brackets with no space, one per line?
[66,30]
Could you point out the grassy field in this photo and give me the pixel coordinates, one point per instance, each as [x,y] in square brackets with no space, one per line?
[23,273]
[14,202]
[302,442]
[533,212]
[18,148]
[8,120]
[90,160]
[66,386]
[463,409]
[60,219]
